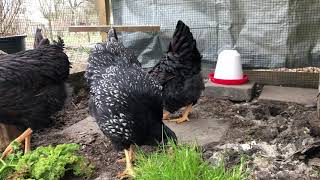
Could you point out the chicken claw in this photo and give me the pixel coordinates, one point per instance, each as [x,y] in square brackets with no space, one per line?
[27,144]
[129,157]
[24,136]
[166,115]
[185,115]
[131,154]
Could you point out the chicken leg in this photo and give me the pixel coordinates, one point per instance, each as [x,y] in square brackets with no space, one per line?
[123,160]
[185,115]
[24,136]
[166,115]
[129,156]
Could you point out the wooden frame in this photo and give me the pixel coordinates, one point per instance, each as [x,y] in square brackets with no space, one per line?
[123,28]
[276,78]
[292,79]
[106,22]
[318,100]
[104,7]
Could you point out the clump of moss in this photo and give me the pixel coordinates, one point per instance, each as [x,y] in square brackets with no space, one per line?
[47,163]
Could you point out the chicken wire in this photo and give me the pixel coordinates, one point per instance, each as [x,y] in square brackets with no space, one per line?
[267,34]
[64,13]
[274,34]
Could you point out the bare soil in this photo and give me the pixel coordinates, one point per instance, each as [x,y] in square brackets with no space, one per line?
[279,140]
[269,135]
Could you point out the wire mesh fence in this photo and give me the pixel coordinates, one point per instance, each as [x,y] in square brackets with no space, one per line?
[275,35]
[54,17]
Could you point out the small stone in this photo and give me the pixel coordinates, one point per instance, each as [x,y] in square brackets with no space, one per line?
[207,154]
[246,147]
[215,158]
[312,105]
[307,141]
[314,126]
[301,157]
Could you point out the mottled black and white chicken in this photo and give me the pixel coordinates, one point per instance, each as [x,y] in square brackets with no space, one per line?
[125,101]
[179,72]
[32,85]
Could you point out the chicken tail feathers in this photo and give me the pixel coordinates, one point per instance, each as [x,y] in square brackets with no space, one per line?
[59,43]
[44,42]
[112,35]
[169,135]
[110,53]
[182,45]
[38,38]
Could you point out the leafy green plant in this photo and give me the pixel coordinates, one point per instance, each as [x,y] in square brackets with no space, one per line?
[183,162]
[45,163]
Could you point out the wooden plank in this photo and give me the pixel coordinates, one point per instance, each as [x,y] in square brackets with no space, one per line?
[119,28]
[318,100]
[291,79]
[277,78]
[110,12]
[104,16]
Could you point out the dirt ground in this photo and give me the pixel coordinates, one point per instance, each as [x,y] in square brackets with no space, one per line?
[279,140]
[269,135]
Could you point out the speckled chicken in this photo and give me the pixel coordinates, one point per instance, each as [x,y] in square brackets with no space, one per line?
[125,101]
[32,86]
[179,72]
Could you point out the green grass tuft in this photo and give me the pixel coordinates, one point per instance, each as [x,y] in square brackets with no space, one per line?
[183,162]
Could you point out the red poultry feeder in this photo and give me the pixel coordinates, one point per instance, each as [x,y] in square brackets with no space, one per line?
[229,69]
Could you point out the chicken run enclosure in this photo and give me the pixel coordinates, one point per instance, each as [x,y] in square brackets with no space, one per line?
[279,44]
[278,40]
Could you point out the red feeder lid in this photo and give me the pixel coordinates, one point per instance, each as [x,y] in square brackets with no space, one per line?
[228,81]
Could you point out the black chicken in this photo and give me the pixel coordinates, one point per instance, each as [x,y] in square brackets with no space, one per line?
[180,73]
[125,101]
[32,85]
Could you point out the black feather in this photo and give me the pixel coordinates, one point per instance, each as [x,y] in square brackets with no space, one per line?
[59,43]
[32,86]
[125,101]
[180,71]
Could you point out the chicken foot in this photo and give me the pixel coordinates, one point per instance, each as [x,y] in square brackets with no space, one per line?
[25,136]
[166,115]
[185,115]
[132,155]
[129,156]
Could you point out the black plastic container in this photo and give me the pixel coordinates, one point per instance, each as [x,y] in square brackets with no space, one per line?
[13,44]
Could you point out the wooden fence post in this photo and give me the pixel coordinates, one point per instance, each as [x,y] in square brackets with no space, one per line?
[318,100]
[104,15]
